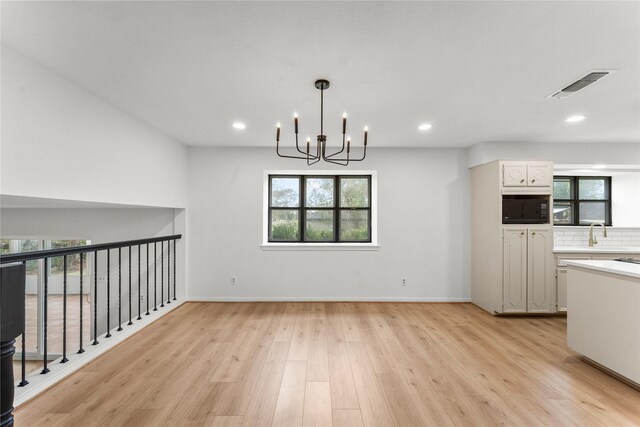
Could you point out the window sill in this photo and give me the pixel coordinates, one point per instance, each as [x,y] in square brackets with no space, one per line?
[320,247]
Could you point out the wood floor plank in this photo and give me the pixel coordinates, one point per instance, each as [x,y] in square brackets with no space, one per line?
[370,398]
[346,364]
[265,395]
[290,405]
[317,405]
[347,418]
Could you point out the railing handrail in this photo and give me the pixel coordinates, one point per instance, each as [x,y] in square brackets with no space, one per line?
[51,253]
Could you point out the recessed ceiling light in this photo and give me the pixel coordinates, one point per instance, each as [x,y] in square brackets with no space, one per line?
[425,126]
[239,125]
[575,119]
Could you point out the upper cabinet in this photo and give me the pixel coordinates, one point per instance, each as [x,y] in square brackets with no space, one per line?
[527,174]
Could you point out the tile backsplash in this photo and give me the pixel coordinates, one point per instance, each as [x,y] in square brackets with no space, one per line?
[579,236]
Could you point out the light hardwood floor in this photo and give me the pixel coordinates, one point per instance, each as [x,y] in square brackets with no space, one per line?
[341,364]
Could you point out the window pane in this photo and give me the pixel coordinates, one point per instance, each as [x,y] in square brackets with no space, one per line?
[285,192]
[318,225]
[73,261]
[592,212]
[562,213]
[319,192]
[354,192]
[592,189]
[354,225]
[4,247]
[562,188]
[284,225]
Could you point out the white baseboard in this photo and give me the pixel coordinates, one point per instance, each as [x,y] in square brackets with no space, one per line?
[58,371]
[327,299]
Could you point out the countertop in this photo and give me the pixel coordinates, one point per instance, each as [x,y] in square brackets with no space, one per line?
[596,250]
[615,267]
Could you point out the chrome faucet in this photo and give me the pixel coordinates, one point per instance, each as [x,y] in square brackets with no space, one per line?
[592,239]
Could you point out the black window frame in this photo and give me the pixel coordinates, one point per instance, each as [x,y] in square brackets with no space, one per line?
[336,209]
[575,199]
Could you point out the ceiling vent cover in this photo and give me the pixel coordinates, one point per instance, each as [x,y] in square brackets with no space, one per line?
[580,84]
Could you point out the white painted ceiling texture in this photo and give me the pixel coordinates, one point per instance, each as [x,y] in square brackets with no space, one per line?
[478,71]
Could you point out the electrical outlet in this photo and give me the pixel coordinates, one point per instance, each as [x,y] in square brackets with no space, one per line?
[141,297]
[234,280]
[403,282]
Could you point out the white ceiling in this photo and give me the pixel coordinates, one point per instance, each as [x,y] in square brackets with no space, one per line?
[479,71]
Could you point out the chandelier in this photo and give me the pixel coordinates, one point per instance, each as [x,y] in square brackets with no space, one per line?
[339,157]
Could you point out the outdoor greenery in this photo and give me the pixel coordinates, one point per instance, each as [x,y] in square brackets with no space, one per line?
[56,264]
[319,209]
[588,196]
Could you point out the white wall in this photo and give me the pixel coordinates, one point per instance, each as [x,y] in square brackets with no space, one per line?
[423,229]
[103,226]
[560,153]
[625,201]
[62,142]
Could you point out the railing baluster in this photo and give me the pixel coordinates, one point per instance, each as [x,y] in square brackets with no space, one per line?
[130,322]
[147,313]
[45,369]
[23,356]
[119,289]
[108,294]
[174,268]
[64,310]
[139,293]
[155,276]
[95,298]
[162,274]
[81,350]
[168,271]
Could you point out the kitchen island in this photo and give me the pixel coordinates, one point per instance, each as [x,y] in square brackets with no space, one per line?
[603,320]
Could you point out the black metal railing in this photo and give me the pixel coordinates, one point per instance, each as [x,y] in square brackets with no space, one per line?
[84,252]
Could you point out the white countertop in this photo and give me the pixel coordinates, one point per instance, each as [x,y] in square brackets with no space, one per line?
[615,267]
[596,250]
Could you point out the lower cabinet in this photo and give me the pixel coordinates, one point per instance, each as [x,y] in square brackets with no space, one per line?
[561,283]
[528,271]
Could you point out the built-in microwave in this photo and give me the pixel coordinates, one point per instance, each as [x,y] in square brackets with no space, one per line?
[525,209]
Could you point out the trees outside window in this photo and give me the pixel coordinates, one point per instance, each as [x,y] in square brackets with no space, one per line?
[316,209]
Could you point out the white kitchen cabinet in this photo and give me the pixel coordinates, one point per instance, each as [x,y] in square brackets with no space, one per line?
[527,174]
[527,279]
[539,175]
[514,175]
[561,286]
[540,267]
[514,273]
[512,269]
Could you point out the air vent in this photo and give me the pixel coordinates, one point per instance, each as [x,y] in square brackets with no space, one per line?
[580,84]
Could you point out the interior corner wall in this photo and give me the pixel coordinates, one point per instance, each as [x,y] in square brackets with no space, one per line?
[423,231]
[59,141]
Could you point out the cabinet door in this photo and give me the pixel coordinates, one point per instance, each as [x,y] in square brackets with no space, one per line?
[540,298]
[514,270]
[514,175]
[540,175]
[561,288]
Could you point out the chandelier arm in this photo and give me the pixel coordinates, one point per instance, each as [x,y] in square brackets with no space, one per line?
[337,152]
[306,157]
[348,159]
[300,151]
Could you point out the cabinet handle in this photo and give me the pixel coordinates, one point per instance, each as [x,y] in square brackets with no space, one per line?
[533,233]
[522,234]
[521,181]
[533,180]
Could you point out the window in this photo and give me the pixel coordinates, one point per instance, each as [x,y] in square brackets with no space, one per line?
[581,200]
[319,209]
